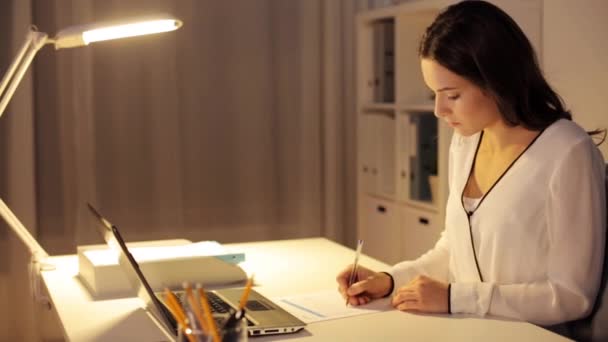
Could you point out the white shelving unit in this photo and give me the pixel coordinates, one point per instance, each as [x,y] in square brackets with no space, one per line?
[400,142]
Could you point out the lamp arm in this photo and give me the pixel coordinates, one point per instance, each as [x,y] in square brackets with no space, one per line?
[38,253]
[11,70]
[33,42]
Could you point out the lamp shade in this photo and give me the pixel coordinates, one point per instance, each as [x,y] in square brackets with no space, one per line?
[83,35]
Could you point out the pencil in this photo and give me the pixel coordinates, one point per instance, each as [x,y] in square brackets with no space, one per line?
[195,307]
[176,309]
[172,302]
[208,315]
[246,293]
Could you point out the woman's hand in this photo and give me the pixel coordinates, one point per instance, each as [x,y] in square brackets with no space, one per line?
[368,285]
[422,294]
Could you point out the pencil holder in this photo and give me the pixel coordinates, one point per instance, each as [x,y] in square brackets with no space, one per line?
[236,333]
[196,335]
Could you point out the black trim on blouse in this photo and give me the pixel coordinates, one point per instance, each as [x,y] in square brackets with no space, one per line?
[483,197]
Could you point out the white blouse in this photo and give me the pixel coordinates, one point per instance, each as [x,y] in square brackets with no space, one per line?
[539,232]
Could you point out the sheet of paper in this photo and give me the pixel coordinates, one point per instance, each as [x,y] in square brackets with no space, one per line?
[326,305]
[202,248]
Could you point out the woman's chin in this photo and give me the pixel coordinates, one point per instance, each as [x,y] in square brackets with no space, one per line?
[464,131]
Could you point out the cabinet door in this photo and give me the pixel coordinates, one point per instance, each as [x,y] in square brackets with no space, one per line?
[380,230]
[420,230]
[376,60]
[384,56]
[386,156]
[377,163]
[403,157]
[368,166]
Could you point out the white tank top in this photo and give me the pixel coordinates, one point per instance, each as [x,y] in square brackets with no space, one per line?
[470,204]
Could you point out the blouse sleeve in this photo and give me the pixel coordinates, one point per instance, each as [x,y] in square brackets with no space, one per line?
[576,219]
[435,262]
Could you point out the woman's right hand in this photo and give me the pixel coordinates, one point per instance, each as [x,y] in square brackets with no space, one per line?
[368,285]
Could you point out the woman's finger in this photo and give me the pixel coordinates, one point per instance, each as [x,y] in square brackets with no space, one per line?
[363,300]
[357,288]
[342,292]
[409,305]
[403,296]
[343,277]
[353,300]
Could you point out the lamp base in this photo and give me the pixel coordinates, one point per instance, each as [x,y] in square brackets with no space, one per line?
[35,282]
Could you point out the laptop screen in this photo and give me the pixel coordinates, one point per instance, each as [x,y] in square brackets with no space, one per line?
[112,236]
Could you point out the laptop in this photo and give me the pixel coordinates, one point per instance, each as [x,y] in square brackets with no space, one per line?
[263,316]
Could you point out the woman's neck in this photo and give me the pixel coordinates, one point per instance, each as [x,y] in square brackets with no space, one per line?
[500,137]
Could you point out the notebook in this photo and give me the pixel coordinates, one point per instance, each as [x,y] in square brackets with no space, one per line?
[264,317]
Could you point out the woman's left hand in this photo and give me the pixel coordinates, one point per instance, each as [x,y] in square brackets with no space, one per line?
[422,294]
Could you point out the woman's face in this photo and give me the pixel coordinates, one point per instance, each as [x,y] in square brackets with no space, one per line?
[462,104]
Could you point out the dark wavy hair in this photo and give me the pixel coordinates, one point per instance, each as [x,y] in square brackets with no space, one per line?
[483,44]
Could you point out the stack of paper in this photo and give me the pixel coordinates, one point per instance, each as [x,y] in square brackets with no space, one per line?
[166,263]
[108,256]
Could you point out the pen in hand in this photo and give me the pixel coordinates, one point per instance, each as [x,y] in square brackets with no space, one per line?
[353,273]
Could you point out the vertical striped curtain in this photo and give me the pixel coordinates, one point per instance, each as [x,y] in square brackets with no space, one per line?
[237,127]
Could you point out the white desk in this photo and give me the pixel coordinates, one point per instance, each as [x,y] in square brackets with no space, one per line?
[281,268]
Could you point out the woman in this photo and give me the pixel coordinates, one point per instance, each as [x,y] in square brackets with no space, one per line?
[525,218]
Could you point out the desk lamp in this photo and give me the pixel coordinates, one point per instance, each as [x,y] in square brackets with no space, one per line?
[67,38]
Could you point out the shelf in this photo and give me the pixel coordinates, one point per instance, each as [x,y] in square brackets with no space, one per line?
[417,107]
[383,197]
[378,106]
[431,207]
[422,205]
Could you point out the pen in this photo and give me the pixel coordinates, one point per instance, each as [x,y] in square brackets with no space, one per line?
[353,273]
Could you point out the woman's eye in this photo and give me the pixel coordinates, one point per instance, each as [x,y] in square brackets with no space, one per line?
[453,97]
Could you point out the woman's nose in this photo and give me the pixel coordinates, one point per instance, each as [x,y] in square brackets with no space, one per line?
[440,109]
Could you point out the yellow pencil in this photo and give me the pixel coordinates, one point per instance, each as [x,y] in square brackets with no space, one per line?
[176,309]
[172,302]
[208,315]
[245,294]
[196,308]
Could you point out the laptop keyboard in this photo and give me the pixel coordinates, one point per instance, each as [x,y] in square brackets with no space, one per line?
[217,305]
